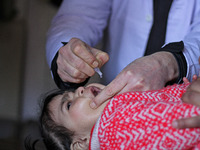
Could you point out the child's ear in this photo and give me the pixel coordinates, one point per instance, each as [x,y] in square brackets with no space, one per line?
[80,144]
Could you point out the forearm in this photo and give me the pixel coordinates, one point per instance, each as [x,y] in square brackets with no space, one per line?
[84,20]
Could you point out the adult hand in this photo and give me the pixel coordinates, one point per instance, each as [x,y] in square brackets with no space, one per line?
[191,96]
[77,60]
[146,73]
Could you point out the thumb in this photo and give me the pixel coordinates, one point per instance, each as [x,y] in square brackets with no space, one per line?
[101,56]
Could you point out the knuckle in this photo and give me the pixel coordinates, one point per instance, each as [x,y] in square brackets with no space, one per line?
[72,40]
[76,74]
[90,60]
[128,73]
[62,51]
[78,48]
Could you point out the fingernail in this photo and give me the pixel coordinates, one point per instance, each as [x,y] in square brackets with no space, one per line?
[95,64]
[175,124]
[92,105]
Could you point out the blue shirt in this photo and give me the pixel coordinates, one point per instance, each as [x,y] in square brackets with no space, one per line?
[128,24]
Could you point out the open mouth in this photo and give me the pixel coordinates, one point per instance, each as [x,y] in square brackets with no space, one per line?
[95,91]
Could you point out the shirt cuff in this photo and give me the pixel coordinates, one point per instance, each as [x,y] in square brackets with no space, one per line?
[60,84]
[176,49]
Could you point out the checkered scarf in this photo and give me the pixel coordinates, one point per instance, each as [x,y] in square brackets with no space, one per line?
[142,120]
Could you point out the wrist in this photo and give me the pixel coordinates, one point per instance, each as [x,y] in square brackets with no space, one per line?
[176,49]
[168,66]
[61,84]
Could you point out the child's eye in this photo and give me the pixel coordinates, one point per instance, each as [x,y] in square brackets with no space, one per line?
[68,105]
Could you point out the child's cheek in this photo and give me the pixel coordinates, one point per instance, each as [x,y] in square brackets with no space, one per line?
[80,108]
[83,115]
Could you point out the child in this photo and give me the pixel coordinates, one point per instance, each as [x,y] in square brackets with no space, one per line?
[133,120]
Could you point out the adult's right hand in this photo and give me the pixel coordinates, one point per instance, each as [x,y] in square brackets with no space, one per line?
[146,73]
[77,60]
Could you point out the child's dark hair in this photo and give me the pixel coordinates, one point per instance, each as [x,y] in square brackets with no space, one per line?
[55,137]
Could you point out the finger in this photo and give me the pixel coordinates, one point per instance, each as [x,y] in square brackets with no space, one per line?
[109,91]
[68,57]
[83,67]
[83,51]
[68,73]
[195,86]
[67,78]
[194,77]
[72,74]
[101,56]
[192,122]
[191,97]
[65,67]
[185,80]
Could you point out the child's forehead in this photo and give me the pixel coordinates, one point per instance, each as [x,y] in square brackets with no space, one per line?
[55,105]
[61,97]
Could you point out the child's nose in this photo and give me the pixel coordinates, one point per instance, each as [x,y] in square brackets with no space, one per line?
[80,91]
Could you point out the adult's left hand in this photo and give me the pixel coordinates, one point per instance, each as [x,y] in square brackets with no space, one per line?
[146,73]
[191,96]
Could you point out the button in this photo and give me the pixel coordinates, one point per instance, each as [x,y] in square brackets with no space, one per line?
[149,18]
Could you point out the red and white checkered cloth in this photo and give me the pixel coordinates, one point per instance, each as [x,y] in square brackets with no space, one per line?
[142,120]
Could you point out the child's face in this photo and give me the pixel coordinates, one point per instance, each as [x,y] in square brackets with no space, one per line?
[73,111]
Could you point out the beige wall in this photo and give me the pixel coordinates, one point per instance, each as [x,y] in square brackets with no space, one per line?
[24,74]
[37,79]
[11,48]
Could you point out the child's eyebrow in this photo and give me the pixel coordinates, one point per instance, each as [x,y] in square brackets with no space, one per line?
[64,98]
